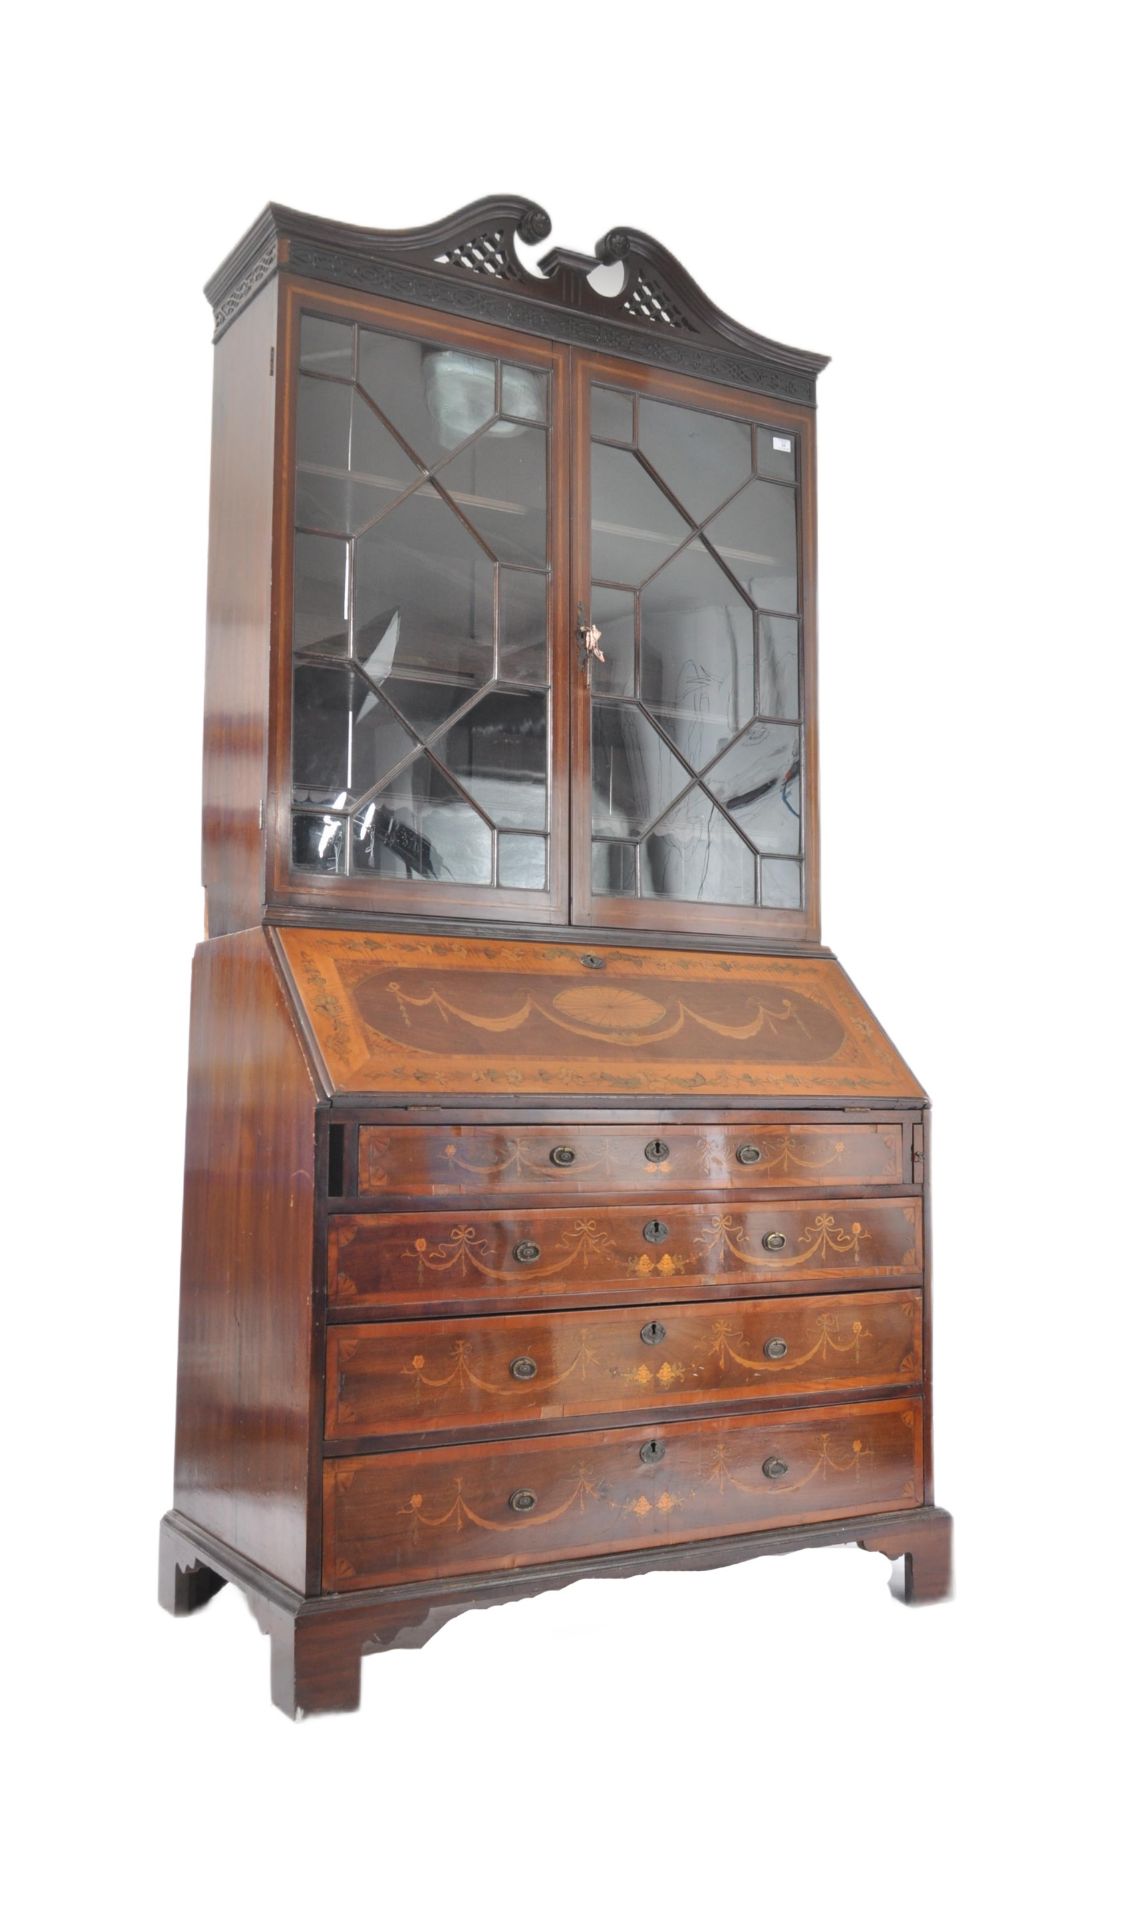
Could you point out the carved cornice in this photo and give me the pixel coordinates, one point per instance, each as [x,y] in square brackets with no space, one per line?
[256,276]
[469,264]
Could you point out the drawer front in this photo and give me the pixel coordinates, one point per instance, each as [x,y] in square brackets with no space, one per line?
[427,1376]
[446,1510]
[393,1260]
[403,1162]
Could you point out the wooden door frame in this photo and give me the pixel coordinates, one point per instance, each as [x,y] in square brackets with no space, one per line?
[289,888]
[568,899]
[689,918]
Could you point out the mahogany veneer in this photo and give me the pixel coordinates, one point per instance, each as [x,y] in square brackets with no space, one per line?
[428,1376]
[555,1207]
[401,1516]
[390,1260]
[398,1163]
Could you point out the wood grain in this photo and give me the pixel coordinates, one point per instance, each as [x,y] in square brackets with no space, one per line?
[291,888]
[389,1260]
[317,1642]
[244,1420]
[445,1510]
[239,618]
[671,916]
[432,1258]
[481,1161]
[435,1376]
[414,1014]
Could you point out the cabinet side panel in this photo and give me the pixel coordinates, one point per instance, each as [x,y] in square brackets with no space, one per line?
[243,1397]
[239,616]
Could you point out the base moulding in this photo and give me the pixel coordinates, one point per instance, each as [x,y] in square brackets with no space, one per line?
[317,1642]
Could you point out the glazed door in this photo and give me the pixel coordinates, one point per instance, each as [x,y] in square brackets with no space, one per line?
[443,537]
[693,770]
[420,747]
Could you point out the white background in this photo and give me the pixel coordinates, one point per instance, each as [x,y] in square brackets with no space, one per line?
[928,194]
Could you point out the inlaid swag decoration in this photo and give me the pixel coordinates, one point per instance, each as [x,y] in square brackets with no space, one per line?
[823,1243]
[489,1158]
[613,1490]
[406,1256]
[596,1358]
[626,1159]
[514,1251]
[852,1459]
[416,1014]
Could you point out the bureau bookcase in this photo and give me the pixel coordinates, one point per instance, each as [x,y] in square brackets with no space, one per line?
[554,1205]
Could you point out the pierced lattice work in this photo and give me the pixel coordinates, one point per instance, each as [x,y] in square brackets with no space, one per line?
[485,253]
[649,302]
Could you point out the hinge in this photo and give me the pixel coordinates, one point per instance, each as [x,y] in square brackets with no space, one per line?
[271,370]
[260,816]
[917,1151]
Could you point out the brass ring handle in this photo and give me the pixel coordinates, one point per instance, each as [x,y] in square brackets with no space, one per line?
[562,1156]
[523,1499]
[655,1231]
[527,1250]
[524,1367]
[656,1150]
[651,1451]
[776,1349]
[773,1242]
[748,1154]
[774,1468]
[653,1333]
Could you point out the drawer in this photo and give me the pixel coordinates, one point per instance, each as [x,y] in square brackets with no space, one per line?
[426,1376]
[445,1510]
[429,1162]
[391,1260]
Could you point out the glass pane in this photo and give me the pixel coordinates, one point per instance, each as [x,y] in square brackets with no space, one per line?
[756,537]
[424,595]
[776,454]
[780,883]
[418,616]
[522,627]
[433,397]
[419,828]
[694,854]
[499,483]
[521,860]
[427,705]
[614,867]
[696,654]
[326,347]
[345,737]
[349,467]
[321,596]
[634,526]
[758,782]
[779,685]
[702,458]
[715,677]
[524,392]
[634,773]
[615,614]
[610,415]
[318,843]
[497,751]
